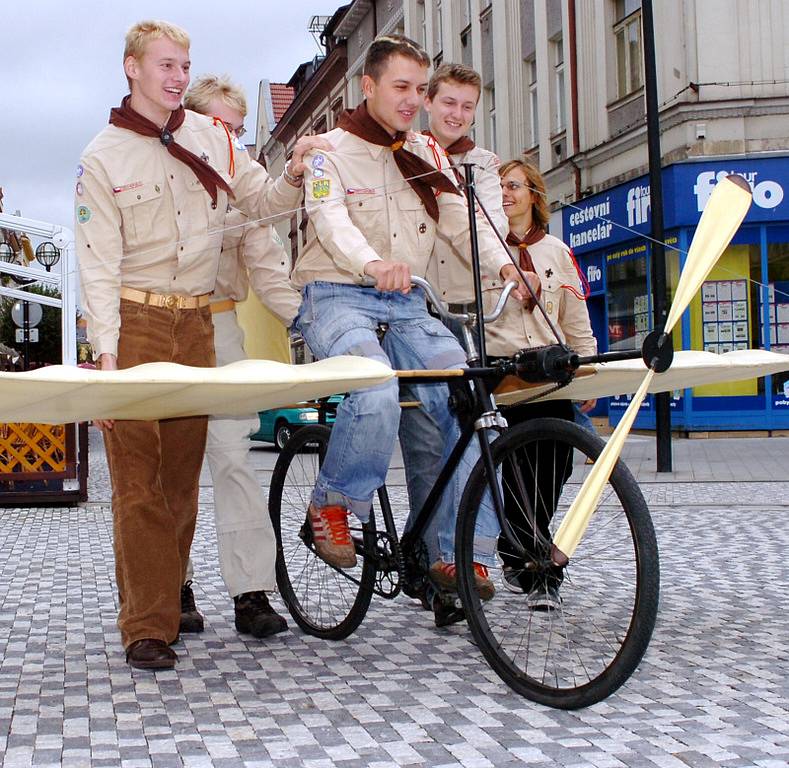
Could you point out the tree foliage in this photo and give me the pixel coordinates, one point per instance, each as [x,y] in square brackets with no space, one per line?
[48,348]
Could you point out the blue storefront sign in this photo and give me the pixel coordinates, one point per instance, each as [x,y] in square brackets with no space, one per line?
[624,212]
[609,233]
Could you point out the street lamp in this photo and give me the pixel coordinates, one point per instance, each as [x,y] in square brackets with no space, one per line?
[47,255]
[6,253]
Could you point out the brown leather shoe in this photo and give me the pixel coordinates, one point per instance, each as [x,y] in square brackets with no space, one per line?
[150,654]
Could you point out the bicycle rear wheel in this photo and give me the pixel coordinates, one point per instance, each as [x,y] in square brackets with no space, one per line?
[565,638]
[324,601]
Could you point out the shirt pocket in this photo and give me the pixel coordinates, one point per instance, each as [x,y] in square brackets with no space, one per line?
[139,208]
[418,227]
[200,201]
[368,214]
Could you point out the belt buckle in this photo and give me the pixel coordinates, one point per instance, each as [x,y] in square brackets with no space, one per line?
[171,301]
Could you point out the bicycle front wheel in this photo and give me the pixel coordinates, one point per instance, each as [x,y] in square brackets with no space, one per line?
[569,637]
[324,601]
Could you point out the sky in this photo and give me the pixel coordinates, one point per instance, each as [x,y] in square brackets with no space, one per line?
[61,71]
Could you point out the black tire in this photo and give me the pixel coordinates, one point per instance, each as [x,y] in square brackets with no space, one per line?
[282,434]
[583,650]
[324,601]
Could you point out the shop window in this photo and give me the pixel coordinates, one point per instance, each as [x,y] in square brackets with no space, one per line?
[778,309]
[629,309]
[724,316]
[629,47]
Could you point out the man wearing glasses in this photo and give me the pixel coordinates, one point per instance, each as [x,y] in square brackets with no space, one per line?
[252,256]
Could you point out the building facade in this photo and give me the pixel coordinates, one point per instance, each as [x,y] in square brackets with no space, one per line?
[563,84]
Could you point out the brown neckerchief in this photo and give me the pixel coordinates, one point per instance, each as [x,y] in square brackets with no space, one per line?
[125,117]
[420,175]
[534,235]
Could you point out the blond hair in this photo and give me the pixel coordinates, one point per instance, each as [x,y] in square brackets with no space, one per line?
[209,87]
[139,35]
[453,73]
[541,213]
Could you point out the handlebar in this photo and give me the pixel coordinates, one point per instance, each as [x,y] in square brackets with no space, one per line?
[444,313]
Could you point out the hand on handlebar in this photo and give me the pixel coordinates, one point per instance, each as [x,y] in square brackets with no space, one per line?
[389,275]
[522,293]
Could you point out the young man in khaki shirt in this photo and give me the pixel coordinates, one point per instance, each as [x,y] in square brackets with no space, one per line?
[451,102]
[374,212]
[252,256]
[151,199]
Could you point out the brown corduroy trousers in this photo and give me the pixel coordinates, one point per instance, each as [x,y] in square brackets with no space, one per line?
[155,471]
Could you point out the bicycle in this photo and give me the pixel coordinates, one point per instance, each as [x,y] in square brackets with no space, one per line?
[572,656]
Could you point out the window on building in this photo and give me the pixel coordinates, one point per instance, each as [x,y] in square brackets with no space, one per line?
[629,48]
[336,111]
[438,29]
[466,55]
[490,104]
[420,17]
[531,77]
[560,108]
[319,126]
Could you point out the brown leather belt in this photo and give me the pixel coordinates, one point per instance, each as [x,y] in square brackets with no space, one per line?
[166,300]
[226,305]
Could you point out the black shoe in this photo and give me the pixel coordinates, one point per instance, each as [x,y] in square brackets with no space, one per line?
[256,617]
[544,597]
[150,654]
[447,609]
[191,618]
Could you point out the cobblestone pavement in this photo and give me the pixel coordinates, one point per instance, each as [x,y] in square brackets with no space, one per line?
[712,690]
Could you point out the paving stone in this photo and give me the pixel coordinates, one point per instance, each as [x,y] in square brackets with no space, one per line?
[712,689]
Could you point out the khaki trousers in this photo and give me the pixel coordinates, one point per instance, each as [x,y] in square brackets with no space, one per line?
[155,471]
[245,537]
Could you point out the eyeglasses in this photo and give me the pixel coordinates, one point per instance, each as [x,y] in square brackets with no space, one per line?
[238,130]
[512,186]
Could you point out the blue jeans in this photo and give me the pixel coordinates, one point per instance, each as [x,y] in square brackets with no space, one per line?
[582,419]
[337,319]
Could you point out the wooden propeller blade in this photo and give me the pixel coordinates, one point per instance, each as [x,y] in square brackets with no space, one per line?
[722,216]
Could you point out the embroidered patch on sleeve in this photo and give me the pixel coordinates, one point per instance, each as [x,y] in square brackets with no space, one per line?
[321,188]
[83,214]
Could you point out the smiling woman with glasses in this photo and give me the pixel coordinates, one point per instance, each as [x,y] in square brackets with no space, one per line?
[563,298]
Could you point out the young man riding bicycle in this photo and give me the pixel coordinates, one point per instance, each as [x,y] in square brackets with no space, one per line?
[376,204]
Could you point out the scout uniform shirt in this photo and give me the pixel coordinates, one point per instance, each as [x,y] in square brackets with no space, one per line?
[519,329]
[449,269]
[253,254]
[145,221]
[361,209]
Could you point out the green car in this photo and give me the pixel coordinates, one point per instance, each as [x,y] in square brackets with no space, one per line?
[278,424]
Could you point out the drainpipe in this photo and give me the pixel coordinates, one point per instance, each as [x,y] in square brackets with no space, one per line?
[574,93]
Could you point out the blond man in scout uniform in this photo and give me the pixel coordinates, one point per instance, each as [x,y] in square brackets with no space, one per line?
[151,200]
[374,211]
[451,102]
[252,256]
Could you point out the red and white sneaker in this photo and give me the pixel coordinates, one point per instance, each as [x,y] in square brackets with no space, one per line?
[332,535]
